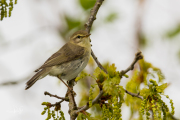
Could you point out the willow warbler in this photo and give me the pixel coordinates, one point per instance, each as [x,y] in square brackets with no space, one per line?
[68,61]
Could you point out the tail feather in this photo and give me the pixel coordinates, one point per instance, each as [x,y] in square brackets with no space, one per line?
[36,77]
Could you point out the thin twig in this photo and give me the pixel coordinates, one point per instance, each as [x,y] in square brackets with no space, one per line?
[88,26]
[133,94]
[131,67]
[57,103]
[14,82]
[98,63]
[93,102]
[51,95]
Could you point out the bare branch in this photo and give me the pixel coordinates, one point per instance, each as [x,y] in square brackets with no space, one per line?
[51,95]
[98,63]
[57,103]
[88,26]
[133,94]
[93,13]
[11,82]
[93,102]
[14,82]
[131,67]
[72,102]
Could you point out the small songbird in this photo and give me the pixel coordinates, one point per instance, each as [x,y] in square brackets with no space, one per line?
[68,61]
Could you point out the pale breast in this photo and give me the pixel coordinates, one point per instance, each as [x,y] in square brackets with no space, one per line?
[70,70]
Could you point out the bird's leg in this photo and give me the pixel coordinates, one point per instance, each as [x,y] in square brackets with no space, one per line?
[64,83]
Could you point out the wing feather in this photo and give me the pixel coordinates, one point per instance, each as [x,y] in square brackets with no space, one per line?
[67,53]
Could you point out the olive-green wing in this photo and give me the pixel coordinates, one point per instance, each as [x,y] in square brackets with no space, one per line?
[67,53]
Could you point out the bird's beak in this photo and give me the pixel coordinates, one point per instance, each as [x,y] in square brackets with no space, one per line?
[87,35]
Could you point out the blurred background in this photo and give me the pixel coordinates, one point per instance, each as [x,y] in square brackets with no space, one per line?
[38,28]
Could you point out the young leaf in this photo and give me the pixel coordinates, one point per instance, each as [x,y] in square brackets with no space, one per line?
[87,4]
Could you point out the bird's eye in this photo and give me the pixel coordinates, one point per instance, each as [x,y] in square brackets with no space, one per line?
[78,36]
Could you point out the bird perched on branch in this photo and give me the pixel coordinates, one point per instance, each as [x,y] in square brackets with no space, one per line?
[68,61]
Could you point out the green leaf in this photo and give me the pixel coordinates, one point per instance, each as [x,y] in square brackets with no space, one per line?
[109,87]
[82,116]
[121,93]
[112,70]
[72,23]
[81,76]
[142,40]
[116,80]
[174,32]
[161,88]
[161,76]
[111,17]
[97,72]
[87,4]
[132,84]
[145,92]
[125,75]
[100,75]
[145,65]
[113,79]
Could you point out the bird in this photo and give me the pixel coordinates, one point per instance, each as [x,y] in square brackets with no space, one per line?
[68,61]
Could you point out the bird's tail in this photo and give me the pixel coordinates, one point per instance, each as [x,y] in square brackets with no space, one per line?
[36,77]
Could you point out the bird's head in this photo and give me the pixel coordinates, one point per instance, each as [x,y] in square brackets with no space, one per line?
[81,38]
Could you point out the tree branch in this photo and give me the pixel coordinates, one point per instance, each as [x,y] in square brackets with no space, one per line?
[57,104]
[51,95]
[131,67]
[14,82]
[88,26]
[72,102]
[93,13]
[133,94]
[93,102]
[98,63]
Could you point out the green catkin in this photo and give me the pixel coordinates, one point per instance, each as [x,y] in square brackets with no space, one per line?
[53,114]
[154,109]
[172,107]
[91,95]
[62,115]
[143,102]
[43,112]
[6,8]
[159,111]
[147,112]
